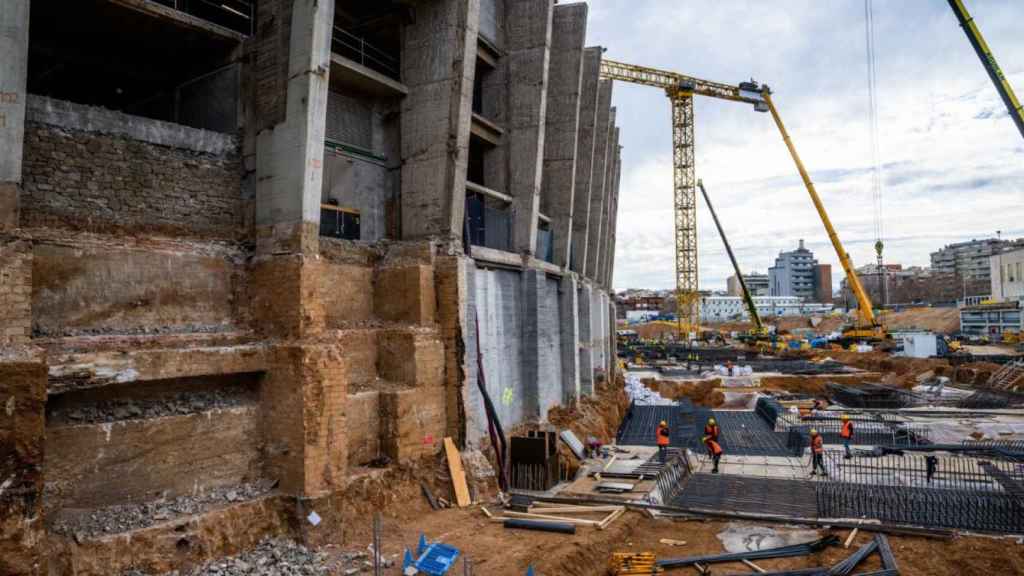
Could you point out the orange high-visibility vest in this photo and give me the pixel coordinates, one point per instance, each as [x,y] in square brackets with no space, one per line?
[663,435]
[847,431]
[715,448]
[711,431]
[817,444]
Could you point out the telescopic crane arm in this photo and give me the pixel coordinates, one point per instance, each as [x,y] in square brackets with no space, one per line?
[759,328]
[988,60]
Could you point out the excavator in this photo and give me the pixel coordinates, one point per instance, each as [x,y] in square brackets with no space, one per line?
[759,334]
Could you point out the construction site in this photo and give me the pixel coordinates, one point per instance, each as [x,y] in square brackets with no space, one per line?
[308,287]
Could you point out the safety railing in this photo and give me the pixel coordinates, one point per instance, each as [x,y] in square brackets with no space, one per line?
[237,15]
[358,50]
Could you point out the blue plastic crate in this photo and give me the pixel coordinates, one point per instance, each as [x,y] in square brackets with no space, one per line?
[437,559]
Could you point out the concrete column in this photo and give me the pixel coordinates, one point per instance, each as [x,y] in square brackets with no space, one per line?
[528,45]
[606,208]
[569,31]
[613,356]
[13,90]
[584,158]
[289,156]
[438,60]
[605,121]
[569,321]
[610,274]
[586,350]
[533,284]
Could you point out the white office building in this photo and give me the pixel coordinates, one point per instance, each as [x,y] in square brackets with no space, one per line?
[723,308]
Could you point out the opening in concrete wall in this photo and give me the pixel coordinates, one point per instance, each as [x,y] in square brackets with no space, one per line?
[143,62]
[369,34]
[121,456]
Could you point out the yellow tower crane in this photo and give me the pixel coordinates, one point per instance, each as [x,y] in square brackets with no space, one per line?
[680,90]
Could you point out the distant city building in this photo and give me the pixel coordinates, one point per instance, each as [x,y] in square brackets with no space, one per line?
[1006,270]
[970,260]
[793,274]
[758,284]
[823,283]
[910,285]
[722,308]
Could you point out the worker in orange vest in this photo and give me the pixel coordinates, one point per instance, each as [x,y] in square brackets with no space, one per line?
[711,432]
[663,436]
[817,453]
[846,433]
[715,449]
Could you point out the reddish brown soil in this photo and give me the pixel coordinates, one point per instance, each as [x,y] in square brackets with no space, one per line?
[700,392]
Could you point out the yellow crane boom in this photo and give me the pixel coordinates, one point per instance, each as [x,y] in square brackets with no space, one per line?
[680,90]
[868,325]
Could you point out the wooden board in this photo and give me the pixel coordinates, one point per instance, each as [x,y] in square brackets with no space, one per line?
[457,472]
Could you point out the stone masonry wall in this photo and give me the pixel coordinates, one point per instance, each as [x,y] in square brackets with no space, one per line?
[104,182]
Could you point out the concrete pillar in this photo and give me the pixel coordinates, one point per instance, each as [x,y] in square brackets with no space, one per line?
[586,350]
[533,284]
[613,355]
[528,45]
[289,156]
[584,158]
[569,320]
[606,208]
[438,60]
[605,120]
[610,271]
[569,31]
[13,90]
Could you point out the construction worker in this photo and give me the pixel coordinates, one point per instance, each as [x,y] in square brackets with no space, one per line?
[846,433]
[817,453]
[663,436]
[715,450]
[711,432]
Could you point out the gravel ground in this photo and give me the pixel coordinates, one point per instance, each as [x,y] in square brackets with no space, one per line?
[125,517]
[179,404]
[280,557]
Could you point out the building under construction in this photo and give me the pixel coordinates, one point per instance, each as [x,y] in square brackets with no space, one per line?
[261,244]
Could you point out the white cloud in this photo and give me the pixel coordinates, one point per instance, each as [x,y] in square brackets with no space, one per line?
[952,158]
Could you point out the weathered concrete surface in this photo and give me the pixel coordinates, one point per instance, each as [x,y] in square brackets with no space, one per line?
[175,544]
[22,433]
[568,312]
[587,328]
[589,94]
[565,80]
[14,63]
[602,146]
[528,47]
[80,117]
[609,280]
[95,465]
[606,209]
[290,155]
[438,57]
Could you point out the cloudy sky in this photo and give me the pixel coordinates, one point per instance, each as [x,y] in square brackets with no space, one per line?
[952,161]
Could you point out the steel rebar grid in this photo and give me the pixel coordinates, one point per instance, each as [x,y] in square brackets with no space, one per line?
[942,473]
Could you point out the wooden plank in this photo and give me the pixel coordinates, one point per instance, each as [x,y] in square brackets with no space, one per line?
[458,473]
[574,509]
[578,521]
[753,566]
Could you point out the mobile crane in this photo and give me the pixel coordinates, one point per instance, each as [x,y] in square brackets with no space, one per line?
[988,60]
[759,332]
[681,89]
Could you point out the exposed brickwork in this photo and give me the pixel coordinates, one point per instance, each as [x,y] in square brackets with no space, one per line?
[362,427]
[411,358]
[98,182]
[406,294]
[275,290]
[346,292]
[450,275]
[412,422]
[22,421]
[15,292]
[304,396]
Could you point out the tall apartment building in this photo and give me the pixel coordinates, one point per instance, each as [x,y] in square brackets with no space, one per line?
[758,284]
[794,274]
[312,212]
[970,260]
[823,283]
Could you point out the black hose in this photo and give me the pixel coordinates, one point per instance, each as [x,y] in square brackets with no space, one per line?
[541,525]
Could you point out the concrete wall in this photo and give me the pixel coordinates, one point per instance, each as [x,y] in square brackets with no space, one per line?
[14,63]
